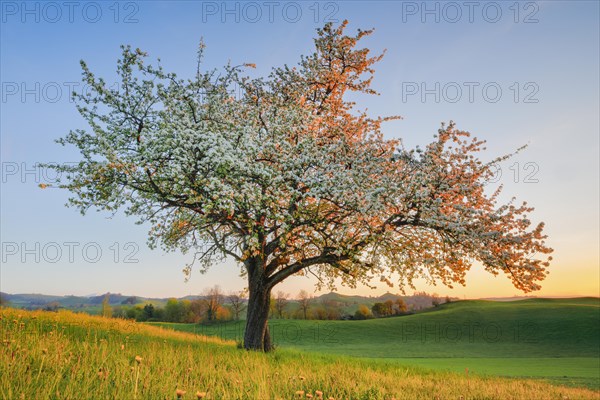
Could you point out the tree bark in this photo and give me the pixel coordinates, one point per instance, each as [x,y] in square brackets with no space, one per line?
[256,336]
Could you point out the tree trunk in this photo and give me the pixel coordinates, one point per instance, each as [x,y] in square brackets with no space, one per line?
[256,336]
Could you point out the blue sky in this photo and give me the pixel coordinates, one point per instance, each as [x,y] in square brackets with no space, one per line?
[513,73]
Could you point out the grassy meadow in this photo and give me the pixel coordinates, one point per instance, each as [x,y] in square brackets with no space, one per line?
[557,340]
[74,356]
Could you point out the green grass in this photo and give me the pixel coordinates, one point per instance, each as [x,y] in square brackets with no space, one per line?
[568,371]
[553,339]
[75,356]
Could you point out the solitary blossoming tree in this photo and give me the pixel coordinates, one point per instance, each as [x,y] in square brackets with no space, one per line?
[286,177]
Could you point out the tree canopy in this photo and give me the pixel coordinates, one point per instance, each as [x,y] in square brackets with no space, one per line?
[288,177]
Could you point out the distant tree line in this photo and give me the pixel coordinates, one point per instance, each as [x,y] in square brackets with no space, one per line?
[307,307]
[213,306]
[304,306]
[396,307]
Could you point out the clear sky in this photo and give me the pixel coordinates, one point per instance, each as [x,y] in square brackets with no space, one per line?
[513,73]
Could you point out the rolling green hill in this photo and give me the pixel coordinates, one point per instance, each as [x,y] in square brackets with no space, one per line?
[558,339]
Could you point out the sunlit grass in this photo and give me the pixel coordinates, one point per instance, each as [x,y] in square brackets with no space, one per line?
[72,356]
[555,340]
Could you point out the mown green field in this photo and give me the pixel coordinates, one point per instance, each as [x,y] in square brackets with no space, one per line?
[46,355]
[552,339]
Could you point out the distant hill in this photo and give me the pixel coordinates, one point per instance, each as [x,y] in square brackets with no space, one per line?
[347,303]
[30,298]
[341,298]
[35,301]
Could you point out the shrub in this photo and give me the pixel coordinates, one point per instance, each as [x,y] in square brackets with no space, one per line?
[363,312]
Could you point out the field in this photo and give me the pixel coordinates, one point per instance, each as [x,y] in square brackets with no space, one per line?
[73,356]
[557,340]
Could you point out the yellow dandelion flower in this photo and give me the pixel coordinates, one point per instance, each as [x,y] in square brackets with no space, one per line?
[319,394]
[200,395]
[180,393]
[300,393]
[138,359]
